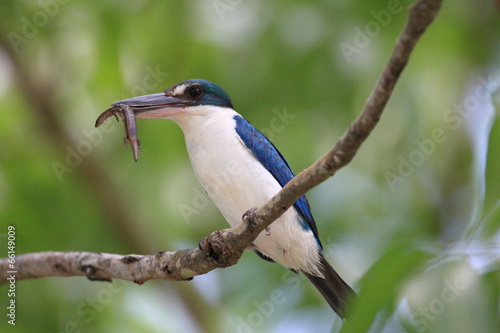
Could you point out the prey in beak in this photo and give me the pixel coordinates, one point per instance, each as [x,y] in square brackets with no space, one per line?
[128,118]
[162,105]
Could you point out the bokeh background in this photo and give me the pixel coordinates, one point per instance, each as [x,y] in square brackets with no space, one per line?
[412,223]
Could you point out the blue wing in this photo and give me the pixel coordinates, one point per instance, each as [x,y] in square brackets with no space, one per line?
[276,164]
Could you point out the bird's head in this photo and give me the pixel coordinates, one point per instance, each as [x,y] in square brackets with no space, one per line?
[185,97]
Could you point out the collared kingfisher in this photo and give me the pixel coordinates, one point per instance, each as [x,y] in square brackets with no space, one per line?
[239,168]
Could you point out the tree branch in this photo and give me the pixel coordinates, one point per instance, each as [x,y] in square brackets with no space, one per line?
[223,248]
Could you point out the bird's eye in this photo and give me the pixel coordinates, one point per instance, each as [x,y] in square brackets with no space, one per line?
[195,92]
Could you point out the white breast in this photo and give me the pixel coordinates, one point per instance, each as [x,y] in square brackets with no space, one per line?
[236,181]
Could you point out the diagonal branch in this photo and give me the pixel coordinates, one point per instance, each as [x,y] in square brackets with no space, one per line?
[223,248]
[421,16]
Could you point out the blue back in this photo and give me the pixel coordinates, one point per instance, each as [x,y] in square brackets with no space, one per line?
[276,164]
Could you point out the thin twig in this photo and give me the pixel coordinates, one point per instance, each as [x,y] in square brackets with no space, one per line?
[421,15]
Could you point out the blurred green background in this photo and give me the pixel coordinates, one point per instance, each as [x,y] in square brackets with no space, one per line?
[413,223]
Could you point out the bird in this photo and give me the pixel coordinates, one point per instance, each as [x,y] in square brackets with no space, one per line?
[240,168]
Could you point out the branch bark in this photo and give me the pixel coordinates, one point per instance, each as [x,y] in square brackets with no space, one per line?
[223,248]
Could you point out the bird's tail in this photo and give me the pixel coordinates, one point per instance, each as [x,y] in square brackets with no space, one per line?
[336,291]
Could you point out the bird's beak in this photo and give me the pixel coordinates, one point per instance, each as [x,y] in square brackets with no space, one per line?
[155,106]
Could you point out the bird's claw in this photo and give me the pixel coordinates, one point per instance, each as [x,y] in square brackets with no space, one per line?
[268,230]
[249,215]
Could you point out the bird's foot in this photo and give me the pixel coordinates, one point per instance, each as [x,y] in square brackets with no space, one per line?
[268,230]
[249,215]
